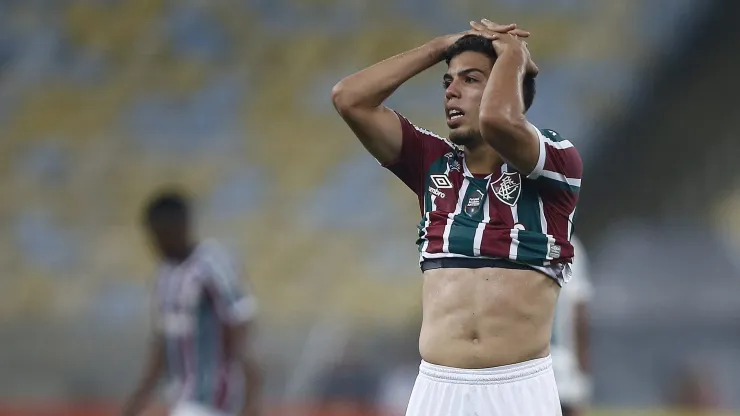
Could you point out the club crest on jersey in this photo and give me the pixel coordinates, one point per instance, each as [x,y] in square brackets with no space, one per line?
[474,203]
[452,164]
[508,187]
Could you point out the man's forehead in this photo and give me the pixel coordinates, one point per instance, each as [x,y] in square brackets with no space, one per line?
[468,62]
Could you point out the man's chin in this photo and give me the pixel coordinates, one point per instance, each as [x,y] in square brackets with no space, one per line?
[461,136]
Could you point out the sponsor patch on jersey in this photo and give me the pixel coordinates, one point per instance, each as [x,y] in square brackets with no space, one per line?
[554,251]
[441,181]
[474,203]
[508,187]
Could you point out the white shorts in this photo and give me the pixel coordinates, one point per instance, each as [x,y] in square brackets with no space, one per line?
[523,389]
[194,409]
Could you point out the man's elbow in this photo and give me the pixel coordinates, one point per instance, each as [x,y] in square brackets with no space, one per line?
[341,97]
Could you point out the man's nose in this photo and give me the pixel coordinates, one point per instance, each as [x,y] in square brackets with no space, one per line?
[451,91]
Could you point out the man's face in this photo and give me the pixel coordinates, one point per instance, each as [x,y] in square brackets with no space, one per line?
[169,236]
[464,83]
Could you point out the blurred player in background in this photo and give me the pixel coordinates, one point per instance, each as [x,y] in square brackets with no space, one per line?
[570,337]
[497,199]
[201,339]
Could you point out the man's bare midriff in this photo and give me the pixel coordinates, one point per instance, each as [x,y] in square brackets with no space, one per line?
[488,317]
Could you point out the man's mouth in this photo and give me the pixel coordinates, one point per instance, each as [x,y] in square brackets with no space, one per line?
[454,114]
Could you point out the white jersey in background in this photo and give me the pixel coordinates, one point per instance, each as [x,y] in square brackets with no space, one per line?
[195,301]
[574,387]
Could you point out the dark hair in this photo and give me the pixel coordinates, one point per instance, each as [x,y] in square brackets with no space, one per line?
[476,43]
[170,203]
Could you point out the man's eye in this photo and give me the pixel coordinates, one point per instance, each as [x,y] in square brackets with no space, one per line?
[469,80]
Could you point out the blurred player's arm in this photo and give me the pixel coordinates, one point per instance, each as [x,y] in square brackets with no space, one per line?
[148,383]
[582,337]
[239,339]
[359,97]
[503,123]
[236,309]
[582,292]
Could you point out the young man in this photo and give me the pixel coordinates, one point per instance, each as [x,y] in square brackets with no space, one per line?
[570,337]
[497,199]
[202,322]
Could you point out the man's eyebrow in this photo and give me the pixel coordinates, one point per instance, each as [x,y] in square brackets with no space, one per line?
[469,71]
[463,72]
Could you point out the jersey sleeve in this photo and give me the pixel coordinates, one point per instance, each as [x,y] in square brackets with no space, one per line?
[559,163]
[234,304]
[559,168]
[419,149]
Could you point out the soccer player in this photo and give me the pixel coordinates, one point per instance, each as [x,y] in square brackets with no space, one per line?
[570,337]
[202,321]
[497,198]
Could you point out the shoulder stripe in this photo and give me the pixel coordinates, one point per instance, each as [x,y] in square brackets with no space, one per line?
[561,178]
[537,171]
[565,144]
[432,134]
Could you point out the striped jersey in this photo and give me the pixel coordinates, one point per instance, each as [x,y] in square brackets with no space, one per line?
[526,219]
[194,302]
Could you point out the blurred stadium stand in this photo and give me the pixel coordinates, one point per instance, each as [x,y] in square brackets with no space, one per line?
[103,101]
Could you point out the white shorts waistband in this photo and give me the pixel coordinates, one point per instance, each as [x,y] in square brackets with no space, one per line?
[493,375]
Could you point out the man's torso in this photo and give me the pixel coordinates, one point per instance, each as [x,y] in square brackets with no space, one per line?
[497,314]
[487,317]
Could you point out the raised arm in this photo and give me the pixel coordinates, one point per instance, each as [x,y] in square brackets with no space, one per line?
[359,97]
[502,117]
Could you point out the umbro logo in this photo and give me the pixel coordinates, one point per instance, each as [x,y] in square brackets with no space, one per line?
[441,181]
[436,192]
